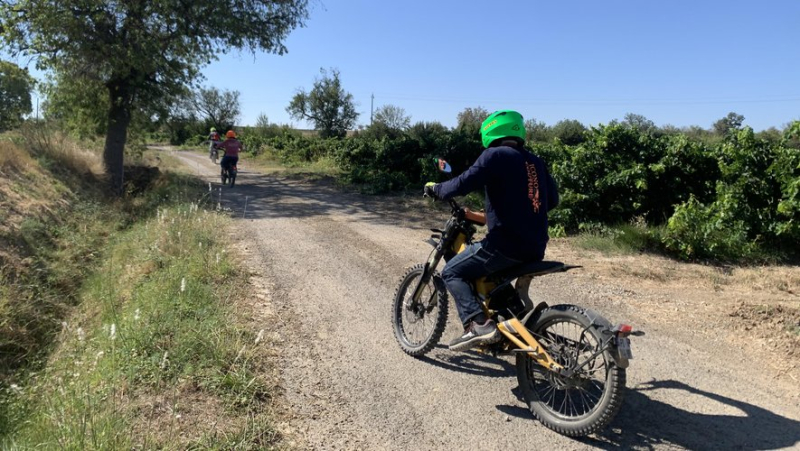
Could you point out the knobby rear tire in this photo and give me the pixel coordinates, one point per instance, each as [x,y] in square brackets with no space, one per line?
[535,391]
[408,283]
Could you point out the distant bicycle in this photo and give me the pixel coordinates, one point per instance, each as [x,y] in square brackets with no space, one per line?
[228,174]
[214,154]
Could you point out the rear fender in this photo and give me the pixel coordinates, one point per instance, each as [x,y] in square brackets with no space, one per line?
[609,338]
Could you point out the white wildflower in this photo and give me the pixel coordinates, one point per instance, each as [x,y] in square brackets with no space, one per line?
[64,325]
[113,332]
[209,187]
[81,334]
[217,257]
[137,315]
[179,234]
[200,244]
[260,336]
[183,284]
[241,351]
[15,388]
[178,416]
[164,360]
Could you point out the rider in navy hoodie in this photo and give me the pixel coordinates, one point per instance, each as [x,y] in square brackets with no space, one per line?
[519,193]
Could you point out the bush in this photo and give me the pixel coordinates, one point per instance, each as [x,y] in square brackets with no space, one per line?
[700,231]
[725,198]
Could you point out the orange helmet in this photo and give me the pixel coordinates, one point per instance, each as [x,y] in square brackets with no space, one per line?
[230,134]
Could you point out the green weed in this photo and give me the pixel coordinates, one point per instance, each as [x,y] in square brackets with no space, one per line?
[622,239]
[154,320]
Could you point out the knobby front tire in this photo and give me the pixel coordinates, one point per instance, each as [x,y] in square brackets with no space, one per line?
[419,328]
[585,403]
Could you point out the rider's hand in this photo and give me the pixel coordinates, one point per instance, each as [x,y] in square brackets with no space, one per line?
[429,190]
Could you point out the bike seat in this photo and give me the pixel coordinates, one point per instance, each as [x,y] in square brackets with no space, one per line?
[533,268]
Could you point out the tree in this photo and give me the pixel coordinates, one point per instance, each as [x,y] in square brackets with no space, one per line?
[730,122]
[639,122]
[219,108]
[537,131]
[262,121]
[327,105]
[15,94]
[78,106]
[392,117]
[570,131]
[472,117]
[142,52]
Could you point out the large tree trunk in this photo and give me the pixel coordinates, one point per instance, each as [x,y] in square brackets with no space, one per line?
[119,117]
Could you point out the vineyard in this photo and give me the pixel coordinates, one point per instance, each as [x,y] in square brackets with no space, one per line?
[732,197]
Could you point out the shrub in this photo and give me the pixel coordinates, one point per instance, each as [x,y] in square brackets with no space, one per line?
[700,231]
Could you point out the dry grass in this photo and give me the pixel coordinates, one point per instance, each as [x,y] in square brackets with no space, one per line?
[65,152]
[12,158]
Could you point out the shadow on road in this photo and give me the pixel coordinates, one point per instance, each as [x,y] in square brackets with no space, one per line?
[470,362]
[645,423]
[278,196]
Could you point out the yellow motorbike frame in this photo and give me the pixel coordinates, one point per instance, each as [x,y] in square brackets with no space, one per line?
[513,329]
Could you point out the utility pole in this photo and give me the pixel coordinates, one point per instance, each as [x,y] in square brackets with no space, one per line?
[371,108]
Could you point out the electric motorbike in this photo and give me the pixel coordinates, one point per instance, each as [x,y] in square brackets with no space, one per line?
[570,361]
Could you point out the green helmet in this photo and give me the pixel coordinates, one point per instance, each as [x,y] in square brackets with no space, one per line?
[502,124]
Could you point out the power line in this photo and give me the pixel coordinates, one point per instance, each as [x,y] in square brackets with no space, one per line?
[595,102]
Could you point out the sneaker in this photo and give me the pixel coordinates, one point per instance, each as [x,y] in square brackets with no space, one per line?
[476,334]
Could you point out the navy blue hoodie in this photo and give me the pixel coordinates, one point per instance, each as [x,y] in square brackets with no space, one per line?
[519,193]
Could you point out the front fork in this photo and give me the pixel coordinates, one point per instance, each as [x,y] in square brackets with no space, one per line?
[427,274]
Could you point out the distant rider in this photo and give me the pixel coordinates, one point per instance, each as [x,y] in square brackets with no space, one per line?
[213,140]
[519,193]
[231,148]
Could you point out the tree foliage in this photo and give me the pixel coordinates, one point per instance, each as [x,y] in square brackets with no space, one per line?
[15,94]
[392,117]
[537,131]
[472,118]
[143,53]
[219,108]
[327,105]
[728,123]
[78,106]
[639,122]
[570,132]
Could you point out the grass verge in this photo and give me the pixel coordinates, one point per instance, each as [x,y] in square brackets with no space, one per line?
[152,358]
[622,239]
[126,310]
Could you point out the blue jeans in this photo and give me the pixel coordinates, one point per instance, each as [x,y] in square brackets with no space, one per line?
[474,262]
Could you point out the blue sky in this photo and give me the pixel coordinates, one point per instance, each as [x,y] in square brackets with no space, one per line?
[678,62]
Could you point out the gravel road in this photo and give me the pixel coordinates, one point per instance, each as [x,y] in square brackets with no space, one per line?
[331,262]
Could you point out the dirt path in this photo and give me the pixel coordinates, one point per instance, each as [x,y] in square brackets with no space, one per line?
[329,263]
